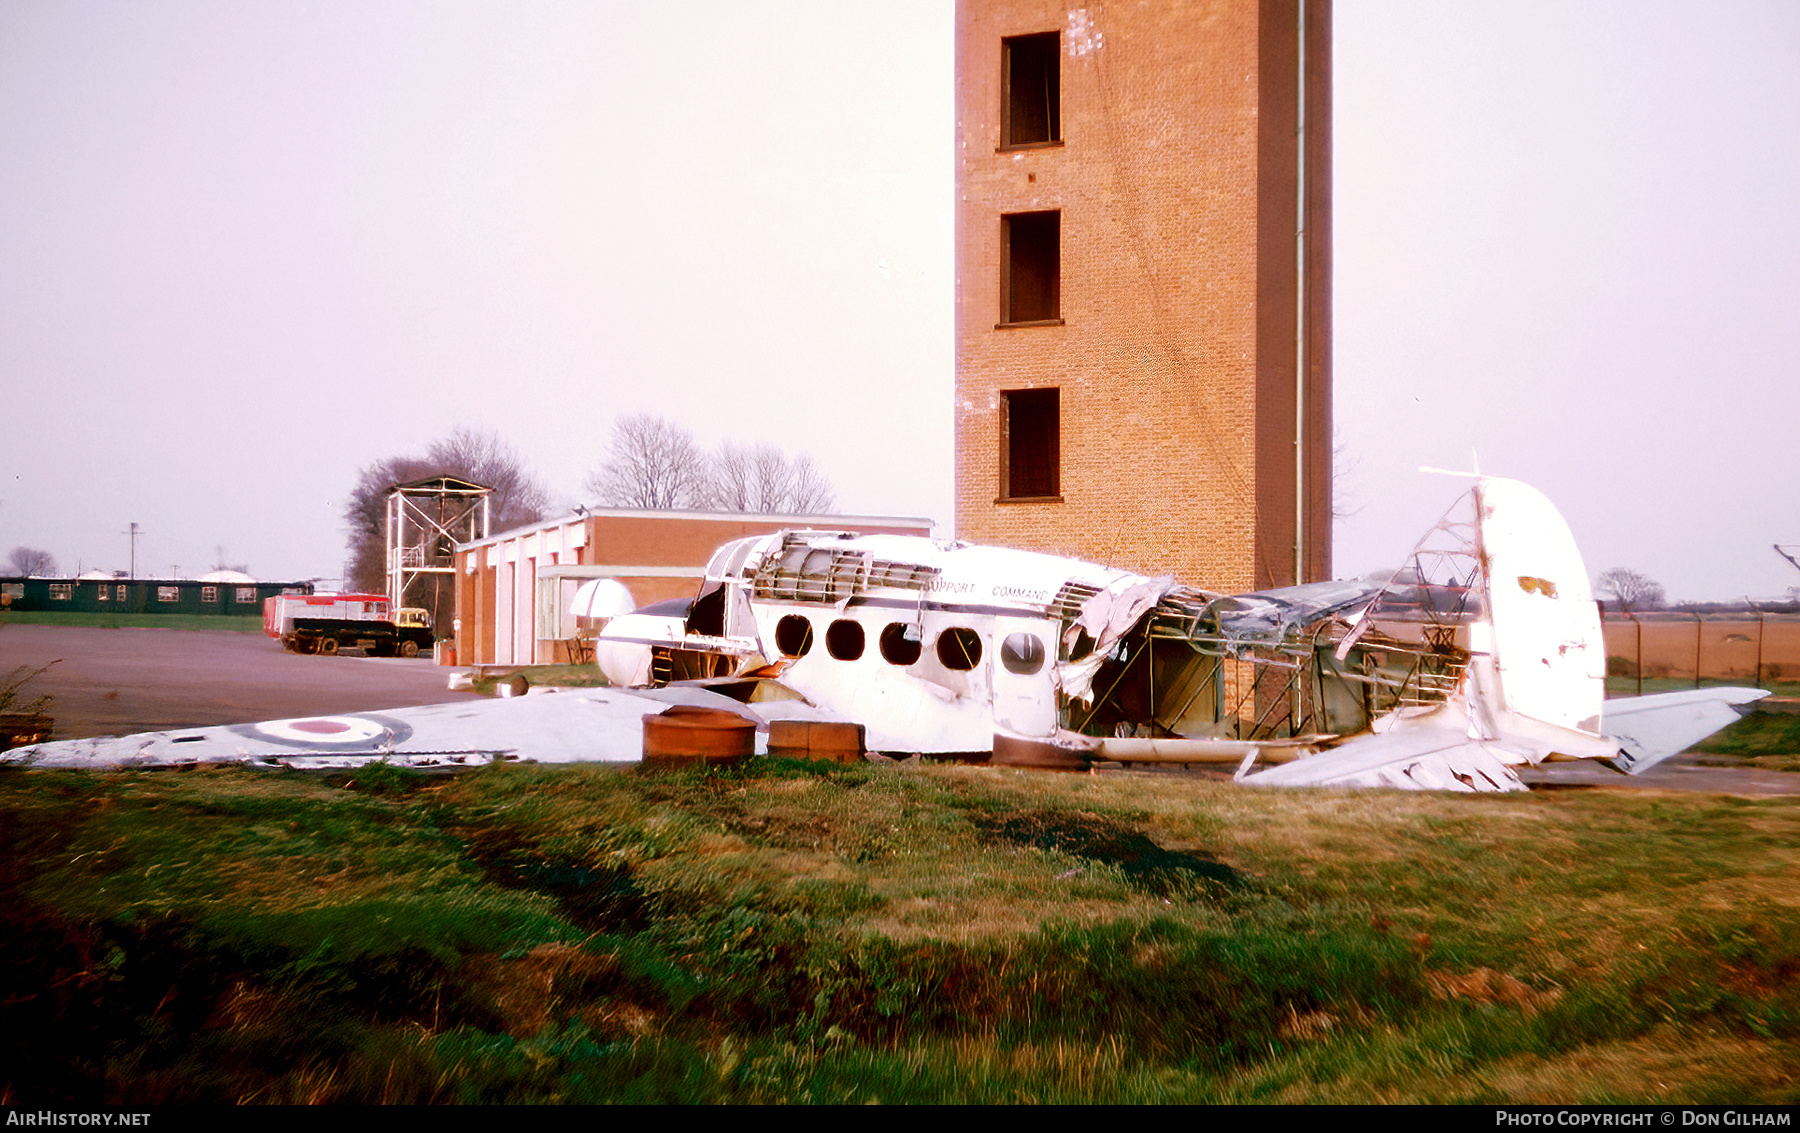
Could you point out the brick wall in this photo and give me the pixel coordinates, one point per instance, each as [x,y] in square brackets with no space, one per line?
[1175,357]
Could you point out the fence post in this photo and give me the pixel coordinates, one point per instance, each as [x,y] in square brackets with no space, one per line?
[1697,648]
[1759,641]
[1632,614]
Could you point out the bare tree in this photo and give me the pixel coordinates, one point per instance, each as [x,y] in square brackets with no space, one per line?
[1344,469]
[809,491]
[365,514]
[486,459]
[651,463]
[765,480]
[467,454]
[1631,590]
[29,561]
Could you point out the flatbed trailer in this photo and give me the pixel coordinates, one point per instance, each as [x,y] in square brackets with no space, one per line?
[326,623]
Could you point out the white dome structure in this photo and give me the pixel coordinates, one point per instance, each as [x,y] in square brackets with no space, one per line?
[226,577]
[601,599]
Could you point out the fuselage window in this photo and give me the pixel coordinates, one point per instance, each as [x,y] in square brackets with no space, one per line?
[900,644]
[844,639]
[1022,653]
[793,635]
[959,648]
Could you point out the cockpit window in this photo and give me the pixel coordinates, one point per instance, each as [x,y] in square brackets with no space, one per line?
[734,565]
[728,560]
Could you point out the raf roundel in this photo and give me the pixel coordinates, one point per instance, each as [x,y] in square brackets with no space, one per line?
[330,733]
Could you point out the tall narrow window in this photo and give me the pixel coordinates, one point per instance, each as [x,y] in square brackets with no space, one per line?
[1032,436]
[1033,80]
[1032,289]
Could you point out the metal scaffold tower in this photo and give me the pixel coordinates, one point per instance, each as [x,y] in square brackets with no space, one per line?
[426,519]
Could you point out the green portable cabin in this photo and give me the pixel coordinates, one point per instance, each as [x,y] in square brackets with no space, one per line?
[109,595]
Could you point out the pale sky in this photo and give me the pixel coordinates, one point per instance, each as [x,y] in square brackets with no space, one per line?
[247,248]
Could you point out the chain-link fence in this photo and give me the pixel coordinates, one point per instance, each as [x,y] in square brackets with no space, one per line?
[1704,647]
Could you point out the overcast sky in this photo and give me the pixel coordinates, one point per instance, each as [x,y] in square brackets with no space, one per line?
[247,248]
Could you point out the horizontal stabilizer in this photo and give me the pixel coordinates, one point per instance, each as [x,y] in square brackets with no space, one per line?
[1429,755]
[1652,728]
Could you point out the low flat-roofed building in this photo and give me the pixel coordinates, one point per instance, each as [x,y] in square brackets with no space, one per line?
[514,590]
[98,592]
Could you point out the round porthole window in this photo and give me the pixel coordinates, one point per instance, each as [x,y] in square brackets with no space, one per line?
[959,648]
[793,636]
[900,644]
[1022,653]
[844,639]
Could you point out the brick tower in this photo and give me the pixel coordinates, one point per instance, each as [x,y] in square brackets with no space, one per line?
[1143,311]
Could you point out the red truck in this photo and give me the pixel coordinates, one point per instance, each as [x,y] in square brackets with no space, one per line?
[325,623]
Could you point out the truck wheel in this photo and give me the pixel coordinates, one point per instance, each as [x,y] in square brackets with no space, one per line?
[409,649]
[328,645]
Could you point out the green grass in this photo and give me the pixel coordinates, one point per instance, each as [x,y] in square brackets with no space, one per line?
[1770,738]
[1628,686]
[237,623]
[799,933]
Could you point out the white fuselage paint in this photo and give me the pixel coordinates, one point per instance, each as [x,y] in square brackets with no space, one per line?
[966,603]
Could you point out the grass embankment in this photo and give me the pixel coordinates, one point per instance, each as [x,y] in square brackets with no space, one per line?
[893,933]
[235,623]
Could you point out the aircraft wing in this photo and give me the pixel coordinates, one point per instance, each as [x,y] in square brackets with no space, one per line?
[1652,728]
[560,726]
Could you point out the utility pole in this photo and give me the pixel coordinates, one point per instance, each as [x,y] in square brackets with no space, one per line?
[134,533]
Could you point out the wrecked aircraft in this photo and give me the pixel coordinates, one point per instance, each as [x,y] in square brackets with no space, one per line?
[1481,655]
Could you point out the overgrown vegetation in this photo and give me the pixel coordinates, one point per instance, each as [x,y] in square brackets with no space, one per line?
[24,705]
[19,694]
[796,933]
